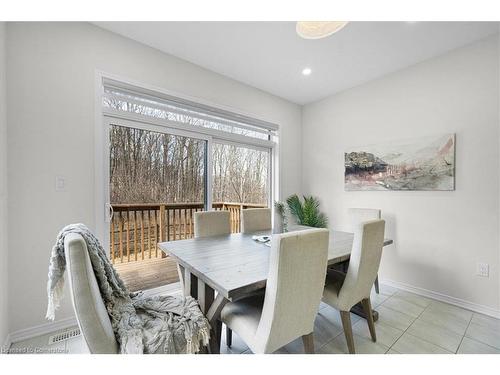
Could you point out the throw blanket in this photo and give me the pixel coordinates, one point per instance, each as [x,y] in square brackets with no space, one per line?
[160,324]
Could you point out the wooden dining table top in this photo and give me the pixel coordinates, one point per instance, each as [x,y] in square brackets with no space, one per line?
[236,264]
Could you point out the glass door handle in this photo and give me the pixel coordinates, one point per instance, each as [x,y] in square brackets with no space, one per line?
[109,212]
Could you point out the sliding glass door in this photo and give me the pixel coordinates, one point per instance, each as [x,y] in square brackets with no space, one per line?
[157,181]
[164,158]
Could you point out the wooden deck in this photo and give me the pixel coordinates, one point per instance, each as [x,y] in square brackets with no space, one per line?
[147,273]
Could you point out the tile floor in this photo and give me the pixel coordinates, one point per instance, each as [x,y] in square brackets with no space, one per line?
[408,324]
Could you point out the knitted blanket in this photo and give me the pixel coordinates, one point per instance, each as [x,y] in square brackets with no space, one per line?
[160,324]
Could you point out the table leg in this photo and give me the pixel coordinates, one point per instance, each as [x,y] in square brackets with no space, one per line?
[206,297]
[211,308]
[213,316]
[190,284]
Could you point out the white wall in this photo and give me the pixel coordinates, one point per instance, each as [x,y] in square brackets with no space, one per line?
[51,69]
[439,236]
[3,193]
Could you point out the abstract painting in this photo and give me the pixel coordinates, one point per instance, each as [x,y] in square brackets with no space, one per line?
[426,163]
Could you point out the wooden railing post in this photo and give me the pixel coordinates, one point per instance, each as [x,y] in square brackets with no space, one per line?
[168,225]
[161,223]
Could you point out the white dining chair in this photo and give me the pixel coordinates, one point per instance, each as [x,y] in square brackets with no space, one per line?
[342,292]
[255,219]
[287,309]
[211,223]
[252,220]
[91,314]
[359,215]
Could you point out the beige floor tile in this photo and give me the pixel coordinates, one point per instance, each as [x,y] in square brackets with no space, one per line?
[455,311]
[323,305]
[486,321]
[399,304]
[436,335]
[409,344]
[324,330]
[333,316]
[386,335]
[378,299]
[470,346]
[483,334]
[414,298]
[445,320]
[362,346]
[394,318]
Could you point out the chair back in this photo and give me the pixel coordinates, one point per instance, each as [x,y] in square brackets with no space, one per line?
[297,269]
[255,219]
[90,311]
[364,262]
[360,215]
[211,223]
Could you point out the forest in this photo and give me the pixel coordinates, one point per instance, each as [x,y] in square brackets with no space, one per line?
[154,167]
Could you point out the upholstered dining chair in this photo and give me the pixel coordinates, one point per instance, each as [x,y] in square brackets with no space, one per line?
[287,309]
[255,219]
[359,215]
[342,292]
[91,314]
[206,224]
[211,223]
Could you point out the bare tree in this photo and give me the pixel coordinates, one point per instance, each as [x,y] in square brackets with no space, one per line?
[153,167]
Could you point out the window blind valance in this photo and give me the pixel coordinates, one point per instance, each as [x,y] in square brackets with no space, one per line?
[117,97]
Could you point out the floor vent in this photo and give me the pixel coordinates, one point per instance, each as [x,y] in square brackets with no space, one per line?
[64,335]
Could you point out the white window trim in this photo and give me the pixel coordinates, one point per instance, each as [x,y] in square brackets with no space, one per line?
[104,115]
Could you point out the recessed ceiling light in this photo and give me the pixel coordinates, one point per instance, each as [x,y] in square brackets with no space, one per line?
[318,29]
[306,71]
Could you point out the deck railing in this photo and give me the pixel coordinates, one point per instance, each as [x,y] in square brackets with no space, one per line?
[136,229]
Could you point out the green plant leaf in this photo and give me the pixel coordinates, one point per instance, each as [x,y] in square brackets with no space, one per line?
[307,213]
[295,207]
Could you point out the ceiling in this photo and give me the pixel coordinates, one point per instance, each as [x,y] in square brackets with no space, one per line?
[270,56]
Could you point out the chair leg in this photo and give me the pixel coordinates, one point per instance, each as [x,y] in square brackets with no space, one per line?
[308,341]
[346,323]
[377,290]
[367,307]
[229,337]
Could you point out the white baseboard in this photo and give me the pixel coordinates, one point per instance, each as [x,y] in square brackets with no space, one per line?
[42,329]
[443,298]
[6,344]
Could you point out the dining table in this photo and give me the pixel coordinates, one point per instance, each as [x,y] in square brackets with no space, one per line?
[218,269]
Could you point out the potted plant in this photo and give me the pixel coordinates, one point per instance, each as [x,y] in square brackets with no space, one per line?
[307,212]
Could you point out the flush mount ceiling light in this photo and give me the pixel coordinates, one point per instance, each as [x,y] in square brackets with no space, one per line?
[306,71]
[318,29]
